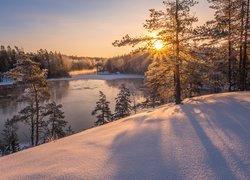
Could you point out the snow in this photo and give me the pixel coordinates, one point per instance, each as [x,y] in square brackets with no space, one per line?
[6,83]
[206,138]
[89,77]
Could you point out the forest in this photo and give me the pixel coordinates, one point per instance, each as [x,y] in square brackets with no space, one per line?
[57,65]
[190,60]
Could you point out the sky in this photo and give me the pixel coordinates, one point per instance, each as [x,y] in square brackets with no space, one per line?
[78,27]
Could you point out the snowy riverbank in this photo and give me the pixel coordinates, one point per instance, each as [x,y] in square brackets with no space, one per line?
[206,138]
[6,83]
[100,77]
[88,76]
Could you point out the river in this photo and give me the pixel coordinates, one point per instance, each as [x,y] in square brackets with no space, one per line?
[78,97]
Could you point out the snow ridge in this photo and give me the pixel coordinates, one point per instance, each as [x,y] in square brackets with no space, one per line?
[206,138]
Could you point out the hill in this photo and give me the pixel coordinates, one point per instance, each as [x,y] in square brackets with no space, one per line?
[206,138]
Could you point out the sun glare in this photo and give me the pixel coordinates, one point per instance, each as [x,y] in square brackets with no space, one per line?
[158,45]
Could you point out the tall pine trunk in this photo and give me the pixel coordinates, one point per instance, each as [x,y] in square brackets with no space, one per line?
[229,46]
[32,123]
[103,116]
[37,114]
[177,58]
[53,127]
[32,132]
[241,75]
[244,64]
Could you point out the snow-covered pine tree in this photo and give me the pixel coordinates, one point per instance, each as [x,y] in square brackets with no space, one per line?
[193,73]
[160,82]
[10,138]
[102,110]
[175,27]
[55,124]
[152,83]
[29,74]
[123,103]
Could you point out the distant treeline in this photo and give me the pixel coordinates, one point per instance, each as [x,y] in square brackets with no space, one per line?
[135,63]
[57,65]
[79,63]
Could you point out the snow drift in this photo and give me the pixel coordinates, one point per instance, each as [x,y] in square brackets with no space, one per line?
[206,138]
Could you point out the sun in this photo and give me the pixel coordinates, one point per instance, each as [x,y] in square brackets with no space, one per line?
[158,45]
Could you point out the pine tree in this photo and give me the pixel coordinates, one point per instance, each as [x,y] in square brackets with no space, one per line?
[160,82]
[102,110]
[56,123]
[134,103]
[229,31]
[10,138]
[4,60]
[1,148]
[174,27]
[245,43]
[193,74]
[123,103]
[27,115]
[28,73]
[153,75]
[223,29]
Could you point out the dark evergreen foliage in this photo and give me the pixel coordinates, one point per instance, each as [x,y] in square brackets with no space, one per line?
[10,138]
[51,61]
[123,105]
[27,115]
[102,110]
[55,125]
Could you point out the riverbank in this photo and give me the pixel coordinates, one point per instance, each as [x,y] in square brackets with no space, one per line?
[88,76]
[81,72]
[100,77]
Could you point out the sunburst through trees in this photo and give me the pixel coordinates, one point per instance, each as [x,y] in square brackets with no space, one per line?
[174,35]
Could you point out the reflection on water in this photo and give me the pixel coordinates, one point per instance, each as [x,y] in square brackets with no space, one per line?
[78,98]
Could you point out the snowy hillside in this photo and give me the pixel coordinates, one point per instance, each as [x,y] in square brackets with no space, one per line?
[207,138]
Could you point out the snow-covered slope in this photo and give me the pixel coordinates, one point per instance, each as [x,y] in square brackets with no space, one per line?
[207,138]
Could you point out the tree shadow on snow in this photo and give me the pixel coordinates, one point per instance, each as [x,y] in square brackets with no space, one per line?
[149,152]
[219,130]
[137,154]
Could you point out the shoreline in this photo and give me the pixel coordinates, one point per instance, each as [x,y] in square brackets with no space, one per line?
[99,77]
[87,77]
